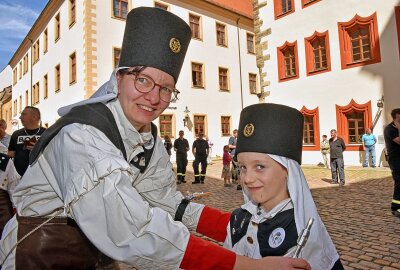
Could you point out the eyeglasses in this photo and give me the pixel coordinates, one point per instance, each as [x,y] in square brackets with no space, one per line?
[145,84]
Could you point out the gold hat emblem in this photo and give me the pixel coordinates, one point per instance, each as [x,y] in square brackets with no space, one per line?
[175,45]
[248,130]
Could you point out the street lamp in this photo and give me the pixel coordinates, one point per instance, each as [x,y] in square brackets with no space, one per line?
[186,117]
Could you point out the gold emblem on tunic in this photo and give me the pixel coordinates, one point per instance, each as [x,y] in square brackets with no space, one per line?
[175,45]
[248,130]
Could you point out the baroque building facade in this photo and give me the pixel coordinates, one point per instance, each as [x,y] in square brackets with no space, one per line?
[74,45]
[337,62]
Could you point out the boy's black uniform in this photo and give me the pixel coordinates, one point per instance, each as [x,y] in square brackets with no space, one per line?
[181,146]
[200,148]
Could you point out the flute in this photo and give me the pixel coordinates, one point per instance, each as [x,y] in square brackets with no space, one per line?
[303,237]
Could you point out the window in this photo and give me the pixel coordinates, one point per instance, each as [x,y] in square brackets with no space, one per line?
[35,93]
[45,87]
[197,75]
[72,12]
[221,34]
[26,63]
[311,140]
[57,81]
[161,5]
[223,79]
[352,121]
[36,50]
[45,41]
[165,125]
[226,125]
[253,83]
[15,75]
[283,8]
[250,43]
[116,56]
[359,42]
[194,22]
[20,70]
[199,124]
[120,8]
[355,123]
[308,131]
[15,108]
[57,27]
[317,53]
[288,67]
[306,3]
[72,68]
[397,15]
[26,99]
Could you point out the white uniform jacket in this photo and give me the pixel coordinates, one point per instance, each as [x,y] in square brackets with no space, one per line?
[126,214]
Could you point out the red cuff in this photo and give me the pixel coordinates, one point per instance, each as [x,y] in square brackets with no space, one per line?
[212,223]
[204,255]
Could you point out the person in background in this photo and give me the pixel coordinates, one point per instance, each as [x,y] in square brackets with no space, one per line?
[100,185]
[232,147]
[168,144]
[278,202]
[181,147]
[369,141]
[337,146]
[392,142]
[325,150]
[23,140]
[200,151]
[210,145]
[226,172]
[4,137]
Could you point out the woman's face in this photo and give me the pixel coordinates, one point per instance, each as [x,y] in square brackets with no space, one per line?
[142,108]
[264,179]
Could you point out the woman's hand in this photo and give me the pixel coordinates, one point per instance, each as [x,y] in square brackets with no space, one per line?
[271,263]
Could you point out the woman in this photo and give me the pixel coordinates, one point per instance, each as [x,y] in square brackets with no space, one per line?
[118,188]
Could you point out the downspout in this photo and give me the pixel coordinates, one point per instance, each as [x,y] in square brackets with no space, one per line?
[240,63]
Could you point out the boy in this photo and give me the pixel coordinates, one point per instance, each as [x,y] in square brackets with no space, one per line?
[278,200]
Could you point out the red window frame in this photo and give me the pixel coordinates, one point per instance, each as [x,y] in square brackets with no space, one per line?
[315,115]
[342,121]
[307,3]
[371,24]
[282,63]
[278,8]
[308,41]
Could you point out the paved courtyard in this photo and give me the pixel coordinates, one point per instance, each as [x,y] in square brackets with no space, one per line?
[357,215]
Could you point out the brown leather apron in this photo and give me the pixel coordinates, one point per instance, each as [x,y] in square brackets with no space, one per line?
[59,244]
[6,210]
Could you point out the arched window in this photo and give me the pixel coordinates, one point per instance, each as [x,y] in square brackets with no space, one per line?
[352,120]
[311,140]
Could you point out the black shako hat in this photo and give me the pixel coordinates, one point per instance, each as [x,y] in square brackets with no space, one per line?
[272,129]
[155,38]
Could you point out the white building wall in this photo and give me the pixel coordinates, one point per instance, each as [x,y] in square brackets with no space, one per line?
[338,86]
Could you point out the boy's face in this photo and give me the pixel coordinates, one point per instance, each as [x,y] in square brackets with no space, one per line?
[264,179]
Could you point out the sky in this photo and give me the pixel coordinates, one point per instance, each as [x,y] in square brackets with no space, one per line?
[16,19]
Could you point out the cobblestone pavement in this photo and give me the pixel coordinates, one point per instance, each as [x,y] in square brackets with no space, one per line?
[357,216]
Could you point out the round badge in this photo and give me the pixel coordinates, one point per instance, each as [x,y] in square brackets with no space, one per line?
[175,45]
[276,238]
[248,130]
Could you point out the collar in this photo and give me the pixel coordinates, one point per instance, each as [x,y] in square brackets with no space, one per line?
[133,140]
[261,216]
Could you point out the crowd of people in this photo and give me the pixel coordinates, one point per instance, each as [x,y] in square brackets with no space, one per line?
[98,186]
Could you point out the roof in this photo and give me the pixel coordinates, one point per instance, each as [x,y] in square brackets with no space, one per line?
[243,7]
